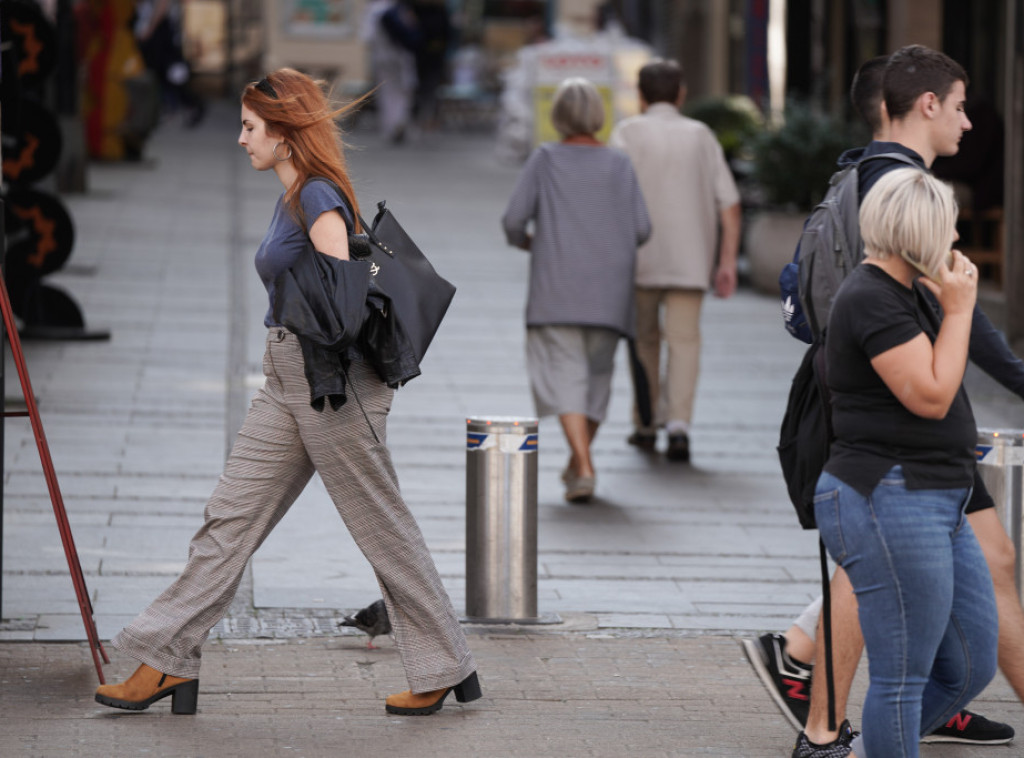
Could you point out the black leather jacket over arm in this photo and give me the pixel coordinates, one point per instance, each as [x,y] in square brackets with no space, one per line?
[339,315]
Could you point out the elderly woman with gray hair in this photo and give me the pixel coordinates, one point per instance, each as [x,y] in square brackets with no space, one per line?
[588,218]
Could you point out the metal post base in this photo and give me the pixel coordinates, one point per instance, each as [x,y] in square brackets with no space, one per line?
[543,619]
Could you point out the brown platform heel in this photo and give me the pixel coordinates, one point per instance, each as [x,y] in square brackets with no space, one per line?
[425,703]
[146,686]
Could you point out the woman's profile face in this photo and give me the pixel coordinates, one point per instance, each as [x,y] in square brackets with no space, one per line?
[256,142]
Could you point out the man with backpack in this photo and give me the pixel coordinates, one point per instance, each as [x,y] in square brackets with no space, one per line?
[923,100]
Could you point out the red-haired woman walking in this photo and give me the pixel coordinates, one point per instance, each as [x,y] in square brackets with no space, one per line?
[289,126]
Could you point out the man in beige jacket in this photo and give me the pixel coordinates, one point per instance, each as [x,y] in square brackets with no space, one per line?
[695,213]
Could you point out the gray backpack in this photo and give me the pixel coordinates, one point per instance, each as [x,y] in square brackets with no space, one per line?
[830,245]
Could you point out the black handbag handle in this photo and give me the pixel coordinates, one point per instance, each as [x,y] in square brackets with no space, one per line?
[368,230]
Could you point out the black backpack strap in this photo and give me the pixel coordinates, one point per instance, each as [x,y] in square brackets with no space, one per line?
[826,622]
[821,377]
[892,156]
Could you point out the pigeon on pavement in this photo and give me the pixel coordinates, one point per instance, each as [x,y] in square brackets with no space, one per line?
[373,619]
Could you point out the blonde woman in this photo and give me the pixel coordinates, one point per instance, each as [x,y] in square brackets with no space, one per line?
[890,501]
[588,215]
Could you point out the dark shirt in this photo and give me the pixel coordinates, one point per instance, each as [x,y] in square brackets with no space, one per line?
[871,172]
[287,239]
[988,349]
[873,313]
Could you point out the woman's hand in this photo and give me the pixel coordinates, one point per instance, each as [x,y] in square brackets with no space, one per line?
[923,376]
[958,290]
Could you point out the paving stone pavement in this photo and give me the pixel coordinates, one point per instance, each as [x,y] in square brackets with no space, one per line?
[545,694]
[653,583]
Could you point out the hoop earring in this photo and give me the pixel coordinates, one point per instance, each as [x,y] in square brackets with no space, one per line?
[279,158]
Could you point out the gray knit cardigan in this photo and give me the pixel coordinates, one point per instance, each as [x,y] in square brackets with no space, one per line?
[588,218]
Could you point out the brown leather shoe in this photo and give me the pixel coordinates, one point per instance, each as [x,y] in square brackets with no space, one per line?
[146,686]
[423,704]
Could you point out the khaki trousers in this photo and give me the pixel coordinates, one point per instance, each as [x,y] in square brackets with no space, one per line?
[282,442]
[672,315]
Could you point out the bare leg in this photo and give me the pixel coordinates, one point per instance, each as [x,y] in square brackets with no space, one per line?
[802,633]
[579,432]
[592,427]
[1001,557]
[847,646]
[799,646]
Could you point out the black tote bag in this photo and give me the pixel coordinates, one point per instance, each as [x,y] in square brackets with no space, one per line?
[419,295]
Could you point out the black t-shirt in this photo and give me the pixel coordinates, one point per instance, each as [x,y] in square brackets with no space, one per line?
[873,313]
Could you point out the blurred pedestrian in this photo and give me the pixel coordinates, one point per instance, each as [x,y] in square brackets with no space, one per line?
[289,126]
[588,218]
[392,37]
[695,210]
[434,23]
[158,29]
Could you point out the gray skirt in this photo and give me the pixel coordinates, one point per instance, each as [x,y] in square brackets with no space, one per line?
[570,369]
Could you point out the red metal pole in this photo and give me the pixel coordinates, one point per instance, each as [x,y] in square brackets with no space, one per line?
[74,565]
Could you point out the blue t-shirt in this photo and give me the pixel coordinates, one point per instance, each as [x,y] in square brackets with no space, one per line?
[286,239]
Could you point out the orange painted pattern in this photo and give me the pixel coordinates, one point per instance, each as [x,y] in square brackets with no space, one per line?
[45,229]
[31,45]
[26,158]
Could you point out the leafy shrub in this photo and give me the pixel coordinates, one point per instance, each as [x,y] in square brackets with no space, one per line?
[734,119]
[793,162]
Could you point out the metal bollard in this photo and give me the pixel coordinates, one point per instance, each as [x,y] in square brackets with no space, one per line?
[501,518]
[1001,465]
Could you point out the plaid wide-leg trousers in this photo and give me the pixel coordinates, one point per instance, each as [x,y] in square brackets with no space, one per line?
[282,442]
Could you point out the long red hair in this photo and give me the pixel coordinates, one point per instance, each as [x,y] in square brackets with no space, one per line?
[303,116]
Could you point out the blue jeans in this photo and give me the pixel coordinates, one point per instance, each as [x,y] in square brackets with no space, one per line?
[925,601]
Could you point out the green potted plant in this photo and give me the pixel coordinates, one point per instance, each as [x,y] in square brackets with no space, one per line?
[792,164]
[734,119]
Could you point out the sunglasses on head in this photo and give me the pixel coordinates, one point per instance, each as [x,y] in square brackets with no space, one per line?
[265,87]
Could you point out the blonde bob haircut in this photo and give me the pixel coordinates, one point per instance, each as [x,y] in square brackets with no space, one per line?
[577,108]
[909,210]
